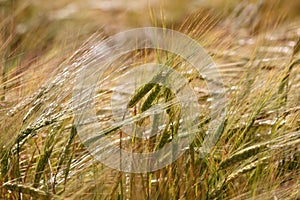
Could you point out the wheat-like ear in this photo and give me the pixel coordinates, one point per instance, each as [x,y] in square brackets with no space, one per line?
[284,84]
[236,174]
[139,94]
[151,98]
[243,155]
[44,157]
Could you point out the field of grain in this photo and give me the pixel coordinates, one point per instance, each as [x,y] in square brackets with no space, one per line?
[44,45]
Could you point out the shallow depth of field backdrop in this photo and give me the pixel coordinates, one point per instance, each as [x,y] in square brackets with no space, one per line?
[256,47]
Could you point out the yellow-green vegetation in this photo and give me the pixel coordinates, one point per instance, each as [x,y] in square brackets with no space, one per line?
[256,47]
